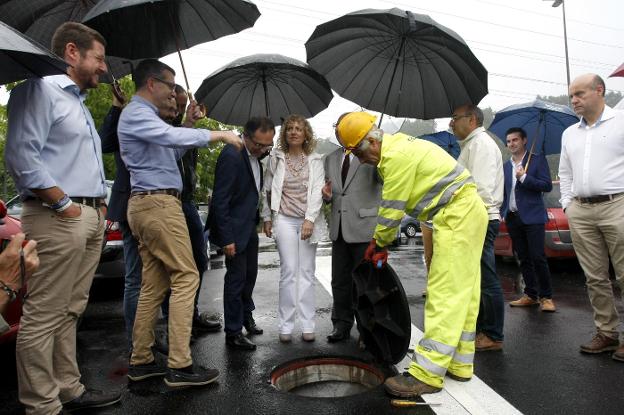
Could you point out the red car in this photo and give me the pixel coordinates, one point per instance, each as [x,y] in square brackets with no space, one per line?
[558,242]
[10,226]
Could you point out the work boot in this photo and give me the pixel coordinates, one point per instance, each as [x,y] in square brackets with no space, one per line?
[407,386]
[619,353]
[483,343]
[523,301]
[600,343]
[547,305]
[457,377]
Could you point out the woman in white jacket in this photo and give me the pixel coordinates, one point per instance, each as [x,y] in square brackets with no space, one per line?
[291,211]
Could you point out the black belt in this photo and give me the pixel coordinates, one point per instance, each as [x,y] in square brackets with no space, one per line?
[598,199]
[171,192]
[94,202]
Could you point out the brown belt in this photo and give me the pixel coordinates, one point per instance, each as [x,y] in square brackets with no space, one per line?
[171,192]
[598,199]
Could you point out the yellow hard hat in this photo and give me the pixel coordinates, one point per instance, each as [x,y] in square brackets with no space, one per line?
[353,127]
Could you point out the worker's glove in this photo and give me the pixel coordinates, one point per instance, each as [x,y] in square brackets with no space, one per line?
[375,254]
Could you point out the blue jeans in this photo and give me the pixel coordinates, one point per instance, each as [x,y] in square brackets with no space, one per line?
[198,243]
[132,286]
[492,311]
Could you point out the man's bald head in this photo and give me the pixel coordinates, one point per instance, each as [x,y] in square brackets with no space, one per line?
[587,96]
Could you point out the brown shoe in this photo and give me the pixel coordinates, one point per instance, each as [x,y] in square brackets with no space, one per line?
[457,378]
[523,301]
[619,353]
[407,386]
[547,305]
[483,343]
[600,343]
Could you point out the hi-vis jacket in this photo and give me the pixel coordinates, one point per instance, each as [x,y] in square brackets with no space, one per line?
[419,178]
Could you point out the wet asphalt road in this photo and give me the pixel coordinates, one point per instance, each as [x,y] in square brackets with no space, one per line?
[540,370]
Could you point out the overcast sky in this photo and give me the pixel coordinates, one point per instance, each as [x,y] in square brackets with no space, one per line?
[520,43]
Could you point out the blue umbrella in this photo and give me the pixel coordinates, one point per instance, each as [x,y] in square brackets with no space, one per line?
[540,119]
[445,140]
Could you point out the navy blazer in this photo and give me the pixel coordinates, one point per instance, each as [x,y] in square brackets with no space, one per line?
[233,214]
[120,193]
[529,198]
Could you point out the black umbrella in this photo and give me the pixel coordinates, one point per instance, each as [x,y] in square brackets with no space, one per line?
[264,84]
[39,19]
[138,29]
[22,58]
[397,62]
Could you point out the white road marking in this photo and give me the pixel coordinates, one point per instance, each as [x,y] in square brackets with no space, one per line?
[473,397]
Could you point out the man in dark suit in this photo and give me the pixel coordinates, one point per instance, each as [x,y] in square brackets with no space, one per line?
[526,178]
[233,219]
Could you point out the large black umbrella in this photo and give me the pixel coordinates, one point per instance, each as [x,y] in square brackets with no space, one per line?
[22,58]
[138,29]
[39,19]
[264,84]
[398,63]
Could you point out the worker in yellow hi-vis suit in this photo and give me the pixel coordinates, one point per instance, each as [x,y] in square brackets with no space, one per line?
[421,179]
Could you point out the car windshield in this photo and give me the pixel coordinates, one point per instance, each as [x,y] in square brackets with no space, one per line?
[551,199]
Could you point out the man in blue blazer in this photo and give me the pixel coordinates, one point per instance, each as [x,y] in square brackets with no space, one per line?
[233,219]
[525,214]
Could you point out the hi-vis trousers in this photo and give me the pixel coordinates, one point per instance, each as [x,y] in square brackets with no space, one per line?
[453,290]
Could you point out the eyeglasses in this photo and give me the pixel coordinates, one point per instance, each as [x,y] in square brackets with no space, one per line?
[457,117]
[260,145]
[171,85]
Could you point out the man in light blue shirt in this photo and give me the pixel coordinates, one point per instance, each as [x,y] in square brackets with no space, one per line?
[150,147]
[53,153]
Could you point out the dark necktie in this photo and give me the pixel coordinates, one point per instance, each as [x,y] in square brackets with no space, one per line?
[345,168]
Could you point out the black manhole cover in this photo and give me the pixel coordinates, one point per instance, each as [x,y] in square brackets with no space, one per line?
[326,377]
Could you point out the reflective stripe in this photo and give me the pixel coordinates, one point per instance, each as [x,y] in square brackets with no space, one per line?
[467,359]
[390,223]
[467,336]
[394,204]
[429,344]
[447,195]
[428,365]
[441,184]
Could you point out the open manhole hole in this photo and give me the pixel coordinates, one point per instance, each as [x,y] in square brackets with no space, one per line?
[326,377]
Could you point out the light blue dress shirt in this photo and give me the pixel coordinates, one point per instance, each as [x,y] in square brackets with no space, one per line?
[148,146]
[52,140]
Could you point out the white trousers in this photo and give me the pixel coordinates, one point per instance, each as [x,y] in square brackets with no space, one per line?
[296,285]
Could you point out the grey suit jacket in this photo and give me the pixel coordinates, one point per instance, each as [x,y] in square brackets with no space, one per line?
[356,204]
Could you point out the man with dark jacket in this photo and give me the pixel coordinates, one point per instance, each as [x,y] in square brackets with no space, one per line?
[526,177]
[233,219]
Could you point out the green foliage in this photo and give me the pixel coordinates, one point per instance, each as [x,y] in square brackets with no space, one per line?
[611,98]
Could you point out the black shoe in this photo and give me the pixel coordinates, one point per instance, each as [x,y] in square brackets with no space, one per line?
[161,343]
[339,335]
[190,376]
[206,324]
[92,398]
[148,370]
[239,342]
[251,327]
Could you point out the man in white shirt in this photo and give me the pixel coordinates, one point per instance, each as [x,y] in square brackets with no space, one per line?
[481,155]
[592,196]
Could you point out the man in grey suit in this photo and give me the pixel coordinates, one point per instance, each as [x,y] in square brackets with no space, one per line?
[354,191]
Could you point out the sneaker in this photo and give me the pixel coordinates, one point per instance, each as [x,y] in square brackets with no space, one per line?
[483,343]
[523,301]
[407,386]
[190,376]
[148,370]
[619,353]
[308,337]
[547,305]
[600,343]
[92,398]
[285,338]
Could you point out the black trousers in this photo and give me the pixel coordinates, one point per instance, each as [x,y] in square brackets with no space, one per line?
[345,257]
[528,242]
